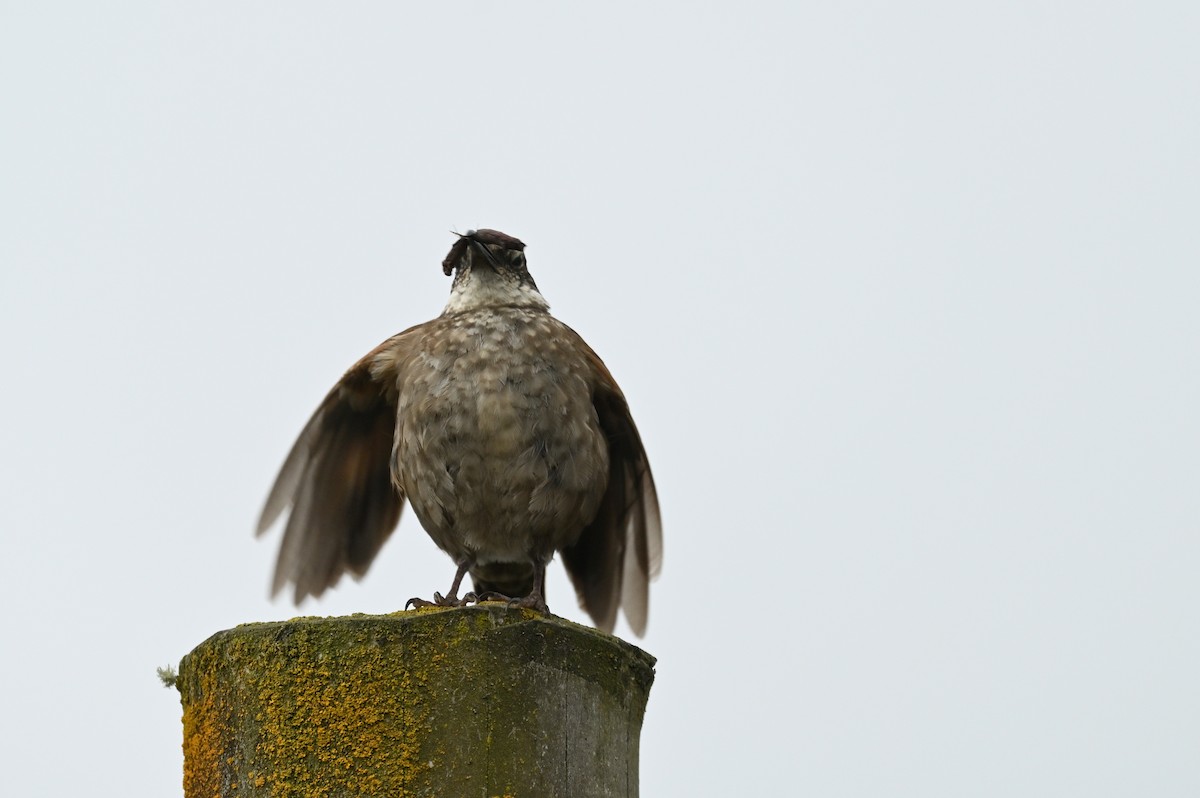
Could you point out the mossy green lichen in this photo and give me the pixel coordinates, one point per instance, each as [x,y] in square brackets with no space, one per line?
[481,700]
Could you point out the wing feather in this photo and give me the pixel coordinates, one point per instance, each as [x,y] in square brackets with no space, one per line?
[337,481]
[620,551]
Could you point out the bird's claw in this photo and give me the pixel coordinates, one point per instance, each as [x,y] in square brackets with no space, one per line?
[532,602]
[535,603]
[440,601]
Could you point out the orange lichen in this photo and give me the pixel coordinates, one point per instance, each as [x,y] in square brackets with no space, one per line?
[201,741]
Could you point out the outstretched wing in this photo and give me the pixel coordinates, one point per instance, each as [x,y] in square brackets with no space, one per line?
[337,481]
[620,551]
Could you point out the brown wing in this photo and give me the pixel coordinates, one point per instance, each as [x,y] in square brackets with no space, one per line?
[620,551]
[337,481]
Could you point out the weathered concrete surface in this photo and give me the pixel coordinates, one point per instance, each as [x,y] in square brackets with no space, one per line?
[478,701]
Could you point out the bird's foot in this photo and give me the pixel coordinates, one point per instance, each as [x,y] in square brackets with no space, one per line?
[441,601]
[531,602]
[491,595]
[447,601]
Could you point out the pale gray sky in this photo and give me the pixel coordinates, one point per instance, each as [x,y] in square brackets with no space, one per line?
[904,298]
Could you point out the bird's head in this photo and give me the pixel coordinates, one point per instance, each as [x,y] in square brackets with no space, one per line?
[489,270]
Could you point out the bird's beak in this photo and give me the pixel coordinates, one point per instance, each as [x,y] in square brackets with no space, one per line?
[487,254]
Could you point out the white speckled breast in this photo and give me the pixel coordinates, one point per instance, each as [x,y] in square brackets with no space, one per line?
[498,447]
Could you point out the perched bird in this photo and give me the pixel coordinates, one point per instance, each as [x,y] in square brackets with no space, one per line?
[506,433]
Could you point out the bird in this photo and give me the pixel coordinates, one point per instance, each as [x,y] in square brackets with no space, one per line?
[503,430]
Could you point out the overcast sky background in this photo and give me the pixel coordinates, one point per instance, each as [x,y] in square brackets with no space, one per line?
[905,299]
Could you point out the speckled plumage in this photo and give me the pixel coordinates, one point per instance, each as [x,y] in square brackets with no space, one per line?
[504,431]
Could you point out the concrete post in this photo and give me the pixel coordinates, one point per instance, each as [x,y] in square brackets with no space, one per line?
[478,701]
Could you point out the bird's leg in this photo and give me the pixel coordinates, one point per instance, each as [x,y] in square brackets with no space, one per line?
[451,600]
[536,598]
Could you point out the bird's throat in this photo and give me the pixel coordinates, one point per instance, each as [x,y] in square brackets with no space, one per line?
[483,287]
